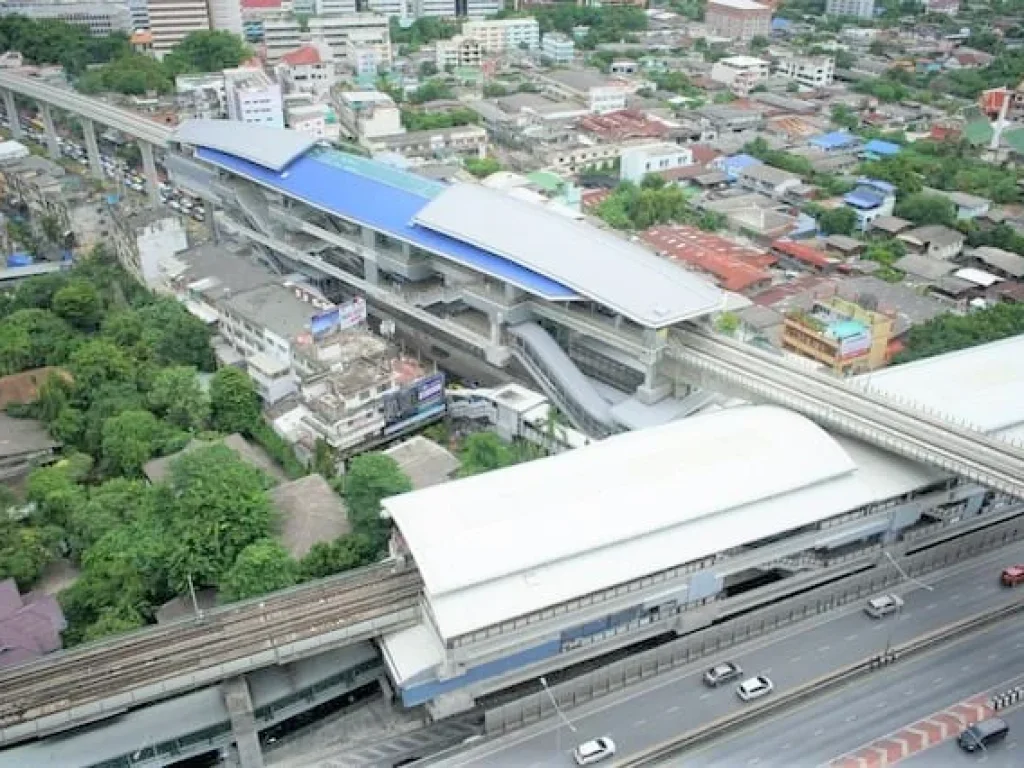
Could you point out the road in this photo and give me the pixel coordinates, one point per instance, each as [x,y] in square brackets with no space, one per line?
[1009,754]
[875,707]
[677,702]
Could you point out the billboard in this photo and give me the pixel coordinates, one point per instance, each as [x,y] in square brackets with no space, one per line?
[854,346]
[416,403]
[324,323]
[339,318]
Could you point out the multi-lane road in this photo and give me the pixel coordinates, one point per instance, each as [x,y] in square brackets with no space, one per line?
[677,702]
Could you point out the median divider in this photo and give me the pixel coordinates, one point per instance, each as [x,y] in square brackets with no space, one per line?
[781,703]
[1007,698]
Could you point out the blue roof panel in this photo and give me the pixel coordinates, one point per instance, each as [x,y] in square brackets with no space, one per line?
[322,181]
[882,148]
[834,140]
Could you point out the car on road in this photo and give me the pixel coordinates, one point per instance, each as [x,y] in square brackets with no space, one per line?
[755,688]
[594,751]
[983,735]
[881,606]
[722,673]
[1012,576]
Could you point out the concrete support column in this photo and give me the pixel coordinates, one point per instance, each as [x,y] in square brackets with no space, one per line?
[243,724]
[11,108]
[92,147]
[496,322]
[149,171]
[370,271]
[51,131]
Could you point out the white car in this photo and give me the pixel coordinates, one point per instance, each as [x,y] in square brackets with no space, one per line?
[881,606]
[755,688]
[594,751]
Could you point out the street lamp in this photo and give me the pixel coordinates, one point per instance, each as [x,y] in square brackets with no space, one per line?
[899,608]
[561,716]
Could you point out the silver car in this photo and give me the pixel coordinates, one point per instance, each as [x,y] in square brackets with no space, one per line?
[881,606]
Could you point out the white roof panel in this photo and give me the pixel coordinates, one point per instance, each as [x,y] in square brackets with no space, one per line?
[982,386]
[272,148]
[511,542]
[625,277]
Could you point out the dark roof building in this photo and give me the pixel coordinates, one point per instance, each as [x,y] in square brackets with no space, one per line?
[30,625]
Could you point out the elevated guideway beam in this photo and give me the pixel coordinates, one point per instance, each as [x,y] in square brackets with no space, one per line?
[831,402]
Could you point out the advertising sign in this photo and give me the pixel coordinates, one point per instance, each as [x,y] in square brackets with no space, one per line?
[352,314]
[325,323]
[854,346]
[413,404]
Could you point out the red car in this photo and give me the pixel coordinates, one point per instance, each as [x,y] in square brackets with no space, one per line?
[1012,576]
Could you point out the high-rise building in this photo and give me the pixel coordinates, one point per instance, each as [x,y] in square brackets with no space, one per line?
[252,97]
[139,10]
[369,30]
[334,7]
[100,17]
[171,21]
[226,15]
[738,19]
[860,9]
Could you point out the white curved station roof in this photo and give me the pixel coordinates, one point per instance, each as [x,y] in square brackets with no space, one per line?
[271,148]
[627,278]
[982,386]
[510,542]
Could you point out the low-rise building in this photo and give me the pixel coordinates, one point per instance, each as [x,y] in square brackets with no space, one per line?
[307,70]
[252,97]
[558,47]
[145,238]
[459,141]
[498,36]
[284,33]
[841,335]
[768,180]
[601,94]
[858,9]
[460,51]
[201,96]
[734,267]
[24,445]
[30,625]
[636,162]
[870,199]
[740,73]
[934,240]
[317,120]
[808,71]
[369,114]
[99,17]
[738,19]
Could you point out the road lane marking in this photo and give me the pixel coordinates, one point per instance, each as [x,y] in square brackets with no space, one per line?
[794,660]
[638,723]
[851,718]
[936,681]
[705,696]
[673,709]
[851,637]
[881,705]
[931,606]
[823,648]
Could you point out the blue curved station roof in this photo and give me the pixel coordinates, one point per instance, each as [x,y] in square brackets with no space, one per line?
[383,199]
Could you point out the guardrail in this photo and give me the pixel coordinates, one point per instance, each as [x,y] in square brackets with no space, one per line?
[1007,698]
[716,729]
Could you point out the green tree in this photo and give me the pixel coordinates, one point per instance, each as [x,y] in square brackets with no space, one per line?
[55,490]
[263,566]
[115,620]
[728,323]
[30,338]
[483,452]
[840,220]
[112,504]
[482,167]
[923,208]
[342,554]
[178,398]
[79,304]
[948,333]
[372,477]
[234,404]
[221,506]
[206,51]
[99,362]
[130,439]
[24,552]
[175,336]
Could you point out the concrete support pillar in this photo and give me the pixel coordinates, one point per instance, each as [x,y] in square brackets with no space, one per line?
[243,724]
[149,171]
[11,108]
[496,322]
[92,147]
[370,271]
[387,691]
[51,131]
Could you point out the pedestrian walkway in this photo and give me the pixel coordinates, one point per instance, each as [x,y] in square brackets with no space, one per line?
[917,737]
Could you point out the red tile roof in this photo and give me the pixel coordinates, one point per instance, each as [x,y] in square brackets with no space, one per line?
[703,154]
[736,267]
[624,124]
[305,55]
[261,4]
[591,198]
[804,253]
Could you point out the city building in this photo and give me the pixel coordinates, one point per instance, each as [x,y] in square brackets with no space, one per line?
[171,21]
[636,162]
[139,10]
[738,19]
[740,73]
[334,7]
[860,9]
[316,120]
[734,267]
[808,71]
[459,51]
[461,141]
[365,61]
[144,239]
[478,9]
[226,15]
[369,114]
[870,199]
[100,17]
[283,34]
[600,94]
[935,241]
[504,34]
[201,96]
[558,47]
[841,335]
[768,180]
[252,97]
[436,8]
[306,70]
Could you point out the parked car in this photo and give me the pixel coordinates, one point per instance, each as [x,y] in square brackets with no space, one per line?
[594,751]
[1012,576]
[881,606]
[755,688]
[983,735]
[722,673]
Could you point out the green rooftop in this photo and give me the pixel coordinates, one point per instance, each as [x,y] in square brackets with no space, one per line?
[978,131]
[378,171]
[551,183]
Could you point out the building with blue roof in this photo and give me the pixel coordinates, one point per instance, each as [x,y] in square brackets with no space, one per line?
[733,165]
[876,149]
[478,272]
[870,199]
[837,141]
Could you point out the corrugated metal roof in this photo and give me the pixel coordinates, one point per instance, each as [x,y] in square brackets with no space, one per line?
[545,532]
[272,148]
[624,277]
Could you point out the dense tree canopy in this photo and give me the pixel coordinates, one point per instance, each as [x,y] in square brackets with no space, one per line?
[923,208]
[372,477]
[234,404]
[652,202]
[263,566]
[948,333]
[49,41]
[840,220]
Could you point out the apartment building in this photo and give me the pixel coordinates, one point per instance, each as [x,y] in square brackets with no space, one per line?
[637,162]
[369,114]
[504,34]
[200,96]
[460,51]
[226,15]
[100,17]
[860,9]
[283,34]
[740,73]
[841,335]
[478,9]
[143,239]
[334,7]
[171,21]
[558,47]
[808,71]
[305,70]
[252,97]
[441,143]
[738,19]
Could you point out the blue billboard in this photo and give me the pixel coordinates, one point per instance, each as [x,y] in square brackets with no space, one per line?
[417,403]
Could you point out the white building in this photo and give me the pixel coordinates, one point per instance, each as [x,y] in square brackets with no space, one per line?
[226,15]
[334,7]
[370,114]
[860,9]
[437,8]
[738,19]
[312,119]
[171,21]
[740,73]
[100,17]
[809,71]
[479,9]
[364,60]
[305,70]
[284,34]
[604,99]
[460,51]
[201,96]
[637,162]
[145,239]
[558,47]
[505,34]
[252,97]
